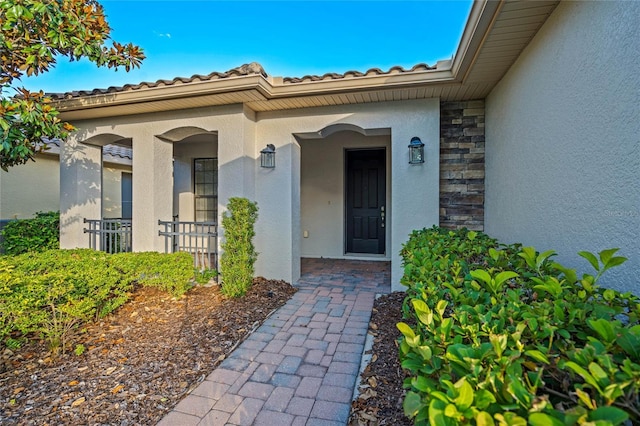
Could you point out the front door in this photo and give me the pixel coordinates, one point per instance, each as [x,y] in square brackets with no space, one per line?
[365,201]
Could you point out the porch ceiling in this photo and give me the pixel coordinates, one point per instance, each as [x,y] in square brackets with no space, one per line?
[494,36]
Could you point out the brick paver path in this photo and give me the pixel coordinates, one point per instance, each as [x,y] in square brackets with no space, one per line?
[301,366]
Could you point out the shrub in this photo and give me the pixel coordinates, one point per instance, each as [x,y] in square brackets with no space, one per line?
[49,294]
[52,292]
[38,234]
[238,253]
[503,335]
[168,272]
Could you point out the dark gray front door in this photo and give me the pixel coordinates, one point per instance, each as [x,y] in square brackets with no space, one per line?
[365,201]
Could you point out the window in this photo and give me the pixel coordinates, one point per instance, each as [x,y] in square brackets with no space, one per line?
[126,186]
[206,189]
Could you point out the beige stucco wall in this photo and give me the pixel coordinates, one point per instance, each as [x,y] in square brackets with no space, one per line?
[562,141]
[35,186]
[30,188]
[322,199]
[112,189]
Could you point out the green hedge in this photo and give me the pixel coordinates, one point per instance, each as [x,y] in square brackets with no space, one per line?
[501,335]
[48,294]
[38,234]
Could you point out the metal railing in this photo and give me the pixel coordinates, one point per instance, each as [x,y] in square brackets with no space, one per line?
[109,235]
[200,239]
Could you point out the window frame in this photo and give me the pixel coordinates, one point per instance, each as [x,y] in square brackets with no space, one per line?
[213,196]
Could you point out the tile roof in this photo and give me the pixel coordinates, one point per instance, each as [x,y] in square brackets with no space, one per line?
[253,68]
[111,150]
[351,74]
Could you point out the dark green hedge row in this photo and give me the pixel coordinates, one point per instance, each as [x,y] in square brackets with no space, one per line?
[502,335]
[48,294]
[37,234]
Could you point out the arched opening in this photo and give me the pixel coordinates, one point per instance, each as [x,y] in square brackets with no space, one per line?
[345,192]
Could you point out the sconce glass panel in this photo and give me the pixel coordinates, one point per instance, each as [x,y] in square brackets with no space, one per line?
[268,157]
[416,151]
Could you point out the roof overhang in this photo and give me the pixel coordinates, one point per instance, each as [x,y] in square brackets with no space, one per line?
[495,34]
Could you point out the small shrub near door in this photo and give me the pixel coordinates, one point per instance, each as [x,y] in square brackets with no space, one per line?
[37,234]
[502,335]
[238,253]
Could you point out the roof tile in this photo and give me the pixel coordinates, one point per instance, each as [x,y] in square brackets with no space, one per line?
[253,68]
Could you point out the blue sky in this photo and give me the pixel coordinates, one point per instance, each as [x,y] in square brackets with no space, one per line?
[289,38]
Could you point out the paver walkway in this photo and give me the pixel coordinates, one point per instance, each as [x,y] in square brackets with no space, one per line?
[301,366]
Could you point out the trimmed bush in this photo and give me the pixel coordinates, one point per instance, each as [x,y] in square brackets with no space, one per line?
[502,335]
[238,253]
[48,294]
[168,272]
[38,234]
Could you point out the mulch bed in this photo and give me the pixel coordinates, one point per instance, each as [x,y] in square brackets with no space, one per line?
[139,362]
[381,392]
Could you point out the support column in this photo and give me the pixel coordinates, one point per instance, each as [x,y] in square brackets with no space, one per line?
[152,191]
[80,191]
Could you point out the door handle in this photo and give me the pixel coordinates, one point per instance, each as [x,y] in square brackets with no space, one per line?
[382,215]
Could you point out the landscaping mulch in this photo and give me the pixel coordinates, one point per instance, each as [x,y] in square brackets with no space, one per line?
[139,362]
[381,392]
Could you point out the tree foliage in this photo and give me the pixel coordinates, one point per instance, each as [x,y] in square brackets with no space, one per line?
[32,35]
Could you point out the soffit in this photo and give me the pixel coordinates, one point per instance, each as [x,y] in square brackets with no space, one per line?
[495,35]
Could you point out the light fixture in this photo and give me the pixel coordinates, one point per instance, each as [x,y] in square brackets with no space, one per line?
[268,157]
[416,151]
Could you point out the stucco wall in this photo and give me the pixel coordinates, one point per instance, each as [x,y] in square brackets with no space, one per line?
[35,186]
[322,183]
[30,188]
[563,147]
[112,189]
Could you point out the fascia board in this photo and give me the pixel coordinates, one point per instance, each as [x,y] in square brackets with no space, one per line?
[481,18]
[184,90]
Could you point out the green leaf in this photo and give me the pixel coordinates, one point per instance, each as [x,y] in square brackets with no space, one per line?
[412,404]
[499,343]
[613,414]
[537,355]
[451,411]
[586,376]
[406,330]
[615,261]
[484,399]
[504,276]
[484,419]
[606,255]
[542,419]
[465,394]
[585,398]
[593,260]
[604,329]
[481,275]
[436,414]
[630,343]
[599,374]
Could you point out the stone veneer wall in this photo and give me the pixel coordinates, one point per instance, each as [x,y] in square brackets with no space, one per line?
[462,164]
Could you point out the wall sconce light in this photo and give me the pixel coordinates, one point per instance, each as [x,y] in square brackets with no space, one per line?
[416,151]
[268,157]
